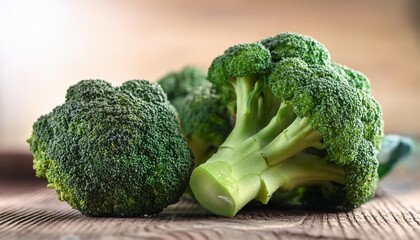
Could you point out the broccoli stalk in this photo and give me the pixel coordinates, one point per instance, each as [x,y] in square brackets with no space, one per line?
[319,109]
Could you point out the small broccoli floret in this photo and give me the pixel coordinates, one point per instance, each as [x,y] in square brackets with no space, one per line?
[355,78]
[204,118]
[144,90]
[179,84]
[112,151]
[205,122]
[323,135]
[239,73]
[290,45]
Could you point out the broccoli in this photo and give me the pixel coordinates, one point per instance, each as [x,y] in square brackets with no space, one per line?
[394,148]
[300,123]
[205,122]
[112,151]
[204,119]
[177,85]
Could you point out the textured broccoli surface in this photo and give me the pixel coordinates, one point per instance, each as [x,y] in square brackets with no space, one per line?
[303,125]
[179,84]
[204,118]
[394,149]
[113,151]
[205,122]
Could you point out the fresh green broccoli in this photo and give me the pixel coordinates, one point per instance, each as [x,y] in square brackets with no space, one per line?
[300,123]
[177,85]
[113,151]
[394,148]
[204,118]
[205,122]
[355,78]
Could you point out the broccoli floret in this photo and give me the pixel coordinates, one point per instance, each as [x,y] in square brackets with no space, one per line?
[205,122]
[239,73]
[290,45]
[394,148]
[204,118]
[177,85]
[322,135]
[355,78]
[112,151]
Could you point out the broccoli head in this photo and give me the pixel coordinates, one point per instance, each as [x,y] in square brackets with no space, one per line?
[179,84]
[112,151]
[205,122]
[301,126]
[204,118]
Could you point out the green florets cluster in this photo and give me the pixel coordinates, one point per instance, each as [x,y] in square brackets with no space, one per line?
[113,151]
[274,122]
[323,135]
[204,118]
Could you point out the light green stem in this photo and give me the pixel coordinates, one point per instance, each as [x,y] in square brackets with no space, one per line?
[300,170]
[224,186]
[296,137]
[278,123]
[246,89]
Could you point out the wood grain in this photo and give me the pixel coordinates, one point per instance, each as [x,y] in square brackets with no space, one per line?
[33,212]
[29,210]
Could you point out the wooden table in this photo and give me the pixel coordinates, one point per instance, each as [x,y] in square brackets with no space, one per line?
[29,210]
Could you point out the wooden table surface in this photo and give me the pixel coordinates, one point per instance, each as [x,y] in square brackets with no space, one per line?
[29,210]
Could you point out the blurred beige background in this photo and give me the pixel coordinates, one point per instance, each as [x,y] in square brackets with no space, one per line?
[47,45]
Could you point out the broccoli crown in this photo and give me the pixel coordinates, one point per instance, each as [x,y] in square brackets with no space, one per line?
[323,136]
[354,78]
[205,121]
[205,116]
[112,151]
[349,123]
[240,61]
[289,45]
[179,84]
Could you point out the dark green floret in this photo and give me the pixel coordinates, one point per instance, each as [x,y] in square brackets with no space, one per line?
[301,127]
[112,151]
[179,84]
[290,45]
[204,118]
[205,122]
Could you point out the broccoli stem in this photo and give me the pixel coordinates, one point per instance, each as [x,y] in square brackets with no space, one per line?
[300,170]
[278,123]
[268,106]
[224,186]
[258,164]
[246,89]
[284,136]
[227,185]
[298,136]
